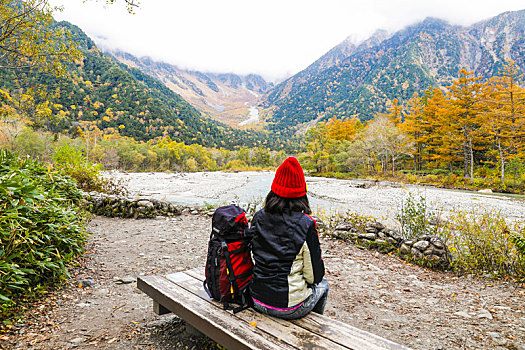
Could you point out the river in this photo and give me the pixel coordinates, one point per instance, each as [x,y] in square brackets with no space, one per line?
[381,200]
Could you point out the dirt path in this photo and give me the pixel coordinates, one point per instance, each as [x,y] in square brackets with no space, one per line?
[378,293]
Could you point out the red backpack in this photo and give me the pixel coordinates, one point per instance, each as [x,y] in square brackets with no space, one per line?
[229,265]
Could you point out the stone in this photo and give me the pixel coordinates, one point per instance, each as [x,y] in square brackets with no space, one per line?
[379,226]
[194,212]
[145,203]
[421,245]
[462,314]
[484,314]
[392,241]
[416,253]
[86,283]
[437,242]
[494,335]
[485,190]
[368,235]
[409,242]
[77,341]
[404,249]
[344,226]
[428,252]
[124,280]
[371,229]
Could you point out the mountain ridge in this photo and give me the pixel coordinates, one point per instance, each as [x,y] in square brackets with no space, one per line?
[428,53]
[225,97]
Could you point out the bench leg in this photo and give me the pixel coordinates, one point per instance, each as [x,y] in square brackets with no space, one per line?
[190,331]
[159,309]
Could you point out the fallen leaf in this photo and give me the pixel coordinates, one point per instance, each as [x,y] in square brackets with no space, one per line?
[4,337]
[253,323]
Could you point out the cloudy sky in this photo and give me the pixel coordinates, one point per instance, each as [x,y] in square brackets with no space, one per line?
[274,38]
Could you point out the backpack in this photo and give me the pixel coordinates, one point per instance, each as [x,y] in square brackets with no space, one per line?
[229,265]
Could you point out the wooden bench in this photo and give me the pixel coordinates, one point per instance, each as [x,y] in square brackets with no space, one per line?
[182,293]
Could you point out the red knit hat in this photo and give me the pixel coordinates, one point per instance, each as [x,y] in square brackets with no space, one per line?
[289,179]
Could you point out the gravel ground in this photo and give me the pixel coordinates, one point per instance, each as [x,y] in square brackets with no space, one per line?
[378,293]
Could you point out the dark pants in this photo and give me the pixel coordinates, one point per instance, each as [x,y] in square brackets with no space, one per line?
[315,302]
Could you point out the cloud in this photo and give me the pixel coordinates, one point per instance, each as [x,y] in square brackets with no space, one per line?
[272,37]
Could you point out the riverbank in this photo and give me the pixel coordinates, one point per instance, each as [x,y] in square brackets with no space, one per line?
[382,200]
[378,293]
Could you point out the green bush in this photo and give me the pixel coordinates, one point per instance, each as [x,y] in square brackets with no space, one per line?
[484,243]
[415,218]
[86,174]
[41,228]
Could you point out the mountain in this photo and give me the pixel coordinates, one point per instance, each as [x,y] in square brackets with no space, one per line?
[115,96]
[385,67]
[225,97]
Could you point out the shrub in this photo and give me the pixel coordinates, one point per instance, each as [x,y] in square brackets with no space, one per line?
[86,174]
[41,227]
[415,218]
[485,244]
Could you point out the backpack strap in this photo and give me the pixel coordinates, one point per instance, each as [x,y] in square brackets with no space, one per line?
[206,289]
[229,266]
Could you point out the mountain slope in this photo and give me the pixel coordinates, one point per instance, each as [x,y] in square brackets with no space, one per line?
[117,97]
[222,97]
[426,54]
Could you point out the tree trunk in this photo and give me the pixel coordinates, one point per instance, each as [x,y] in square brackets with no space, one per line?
[465,160]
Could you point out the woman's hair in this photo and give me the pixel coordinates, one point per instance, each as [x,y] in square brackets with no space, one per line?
[276,204]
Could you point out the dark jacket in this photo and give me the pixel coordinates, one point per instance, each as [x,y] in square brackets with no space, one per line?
[287,257]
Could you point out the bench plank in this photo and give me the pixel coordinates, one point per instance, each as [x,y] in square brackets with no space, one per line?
[216,323]
[277,328]
[341,333]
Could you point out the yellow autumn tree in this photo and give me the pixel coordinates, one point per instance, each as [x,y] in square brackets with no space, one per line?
[504,118]
[28,39]
[462,132]
[413,126]
[395,112]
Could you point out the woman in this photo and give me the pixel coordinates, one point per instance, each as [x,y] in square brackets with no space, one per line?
[288,275]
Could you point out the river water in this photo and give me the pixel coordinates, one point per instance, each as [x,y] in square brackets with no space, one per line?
[253,116]
[381,200]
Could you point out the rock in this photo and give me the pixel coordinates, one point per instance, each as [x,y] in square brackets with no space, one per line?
[379,226]
[404,249]
[416,253]
[409,242]
[77,341]
[485,190]
[344,226]
[124,280]
[371,229]
[502,308]
[484,314]
[437,242]
[462,314]
[391,241]
[86,283]
[368,235]
[421,245]
[428,252]
[194,212]
[494,334]
[145,203]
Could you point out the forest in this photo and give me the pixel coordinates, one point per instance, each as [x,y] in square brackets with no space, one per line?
[470,134]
